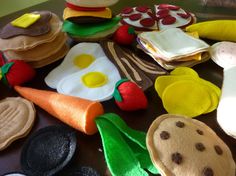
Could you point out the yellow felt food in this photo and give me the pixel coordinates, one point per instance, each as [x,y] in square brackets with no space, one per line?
[25,20]
[186,98]
[83,60]
[222,30]
[94,79]
[184,71]
[68,13]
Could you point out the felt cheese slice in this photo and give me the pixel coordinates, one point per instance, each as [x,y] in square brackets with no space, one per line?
[96,82]
[222,30]
[78,58]
[93,3]
[68,13]
[173,43]
[191,100]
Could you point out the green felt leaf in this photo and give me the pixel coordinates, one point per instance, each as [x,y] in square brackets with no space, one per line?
[116,93]
[5,69]
[84,30]
[131,145]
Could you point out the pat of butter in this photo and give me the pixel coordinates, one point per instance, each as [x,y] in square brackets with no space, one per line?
[25,20]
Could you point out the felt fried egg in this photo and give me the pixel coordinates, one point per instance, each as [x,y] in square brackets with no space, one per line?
[96,82]
[79,57]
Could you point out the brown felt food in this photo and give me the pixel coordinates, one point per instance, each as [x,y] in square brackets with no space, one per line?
[183,146]
[16,119]
[40,27]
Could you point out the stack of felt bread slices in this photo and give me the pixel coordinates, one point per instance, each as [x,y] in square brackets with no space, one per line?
[89,20]
[35,38]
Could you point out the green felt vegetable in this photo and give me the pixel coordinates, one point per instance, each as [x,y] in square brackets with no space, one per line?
[84,30]
[124,148]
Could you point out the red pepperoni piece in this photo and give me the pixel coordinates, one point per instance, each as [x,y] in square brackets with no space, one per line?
[163,11]
[142,9]
[147,22]
[127,10]
[168,20]
[184,15]
[135,17]
[163,16]
[168,6]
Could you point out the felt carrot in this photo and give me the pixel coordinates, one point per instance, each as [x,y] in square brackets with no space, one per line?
[76,112]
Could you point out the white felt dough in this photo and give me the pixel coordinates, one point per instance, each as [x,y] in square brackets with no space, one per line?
[226,111]
[67,67]
[173,43]
[72,85]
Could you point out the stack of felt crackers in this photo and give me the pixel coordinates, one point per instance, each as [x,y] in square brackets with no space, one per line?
[89,20]
[92,72]
[35,38]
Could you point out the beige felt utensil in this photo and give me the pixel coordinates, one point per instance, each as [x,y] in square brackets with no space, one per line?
[16,119]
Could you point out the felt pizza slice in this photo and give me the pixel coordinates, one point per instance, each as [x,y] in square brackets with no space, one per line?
[172,16]
[141,18]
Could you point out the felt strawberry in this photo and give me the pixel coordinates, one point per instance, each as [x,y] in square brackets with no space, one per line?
[128,96]
[16,72]
[124,35]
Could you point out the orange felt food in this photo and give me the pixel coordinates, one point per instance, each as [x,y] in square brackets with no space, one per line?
[76,112]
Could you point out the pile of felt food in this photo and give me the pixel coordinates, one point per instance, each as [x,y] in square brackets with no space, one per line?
[142,18]
[85,72]
[35,38]
[172,48]
[89,20]
[184,92]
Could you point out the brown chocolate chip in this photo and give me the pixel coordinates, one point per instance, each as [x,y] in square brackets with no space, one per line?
[199,132]
[200,147]
[164,135]
[177,158]
[180,124]
[207,171]
[218,150]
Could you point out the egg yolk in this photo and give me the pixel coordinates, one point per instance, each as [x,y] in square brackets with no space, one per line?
[83,60]
[94,79]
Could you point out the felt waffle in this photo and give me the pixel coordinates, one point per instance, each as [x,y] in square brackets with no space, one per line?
[22,43]
[182,146]
[130,66]
[40,27]
[39,52]
[16,119]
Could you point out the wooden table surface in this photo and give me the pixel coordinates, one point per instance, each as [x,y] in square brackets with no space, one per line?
[88,152]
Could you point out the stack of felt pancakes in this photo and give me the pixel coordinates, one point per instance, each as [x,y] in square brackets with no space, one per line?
[34,37]
[89,20]
[172,48]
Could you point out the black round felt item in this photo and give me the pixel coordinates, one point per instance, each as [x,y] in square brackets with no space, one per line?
[80,171]
[48,150]
[14,174]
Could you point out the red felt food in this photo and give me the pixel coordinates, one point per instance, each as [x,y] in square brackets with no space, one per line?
[17,72]
[142,9]
[135,17]
[147,22]
[168,6]
[168,20]
[163,12]
[184,15]
[78,8]
[129,97]
[124,35]
[127,10]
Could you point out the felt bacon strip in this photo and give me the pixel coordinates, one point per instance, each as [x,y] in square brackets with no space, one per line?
[130,66]
[76,112]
